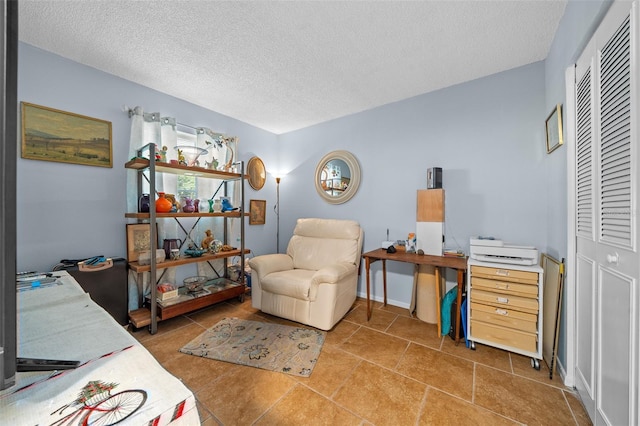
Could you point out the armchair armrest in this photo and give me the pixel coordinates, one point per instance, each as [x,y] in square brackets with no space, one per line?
[331,274]
[268,263]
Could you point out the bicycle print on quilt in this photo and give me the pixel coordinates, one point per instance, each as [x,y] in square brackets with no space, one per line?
[291,350]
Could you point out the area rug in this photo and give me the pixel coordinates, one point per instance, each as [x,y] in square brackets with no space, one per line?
[291,350]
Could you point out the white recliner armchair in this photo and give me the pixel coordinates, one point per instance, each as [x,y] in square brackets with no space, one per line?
[315,282]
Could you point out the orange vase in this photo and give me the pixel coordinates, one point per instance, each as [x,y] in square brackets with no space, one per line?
[163,205]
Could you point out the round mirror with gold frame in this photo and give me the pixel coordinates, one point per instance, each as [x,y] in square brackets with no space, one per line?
[257,173]
[337,177]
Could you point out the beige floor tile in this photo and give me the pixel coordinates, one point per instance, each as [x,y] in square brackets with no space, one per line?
[362,301]
[302,406]
[522,367]
[580,414]
[164,346]
[211,421]
[211,315]
[393,309]
[165,326]
[446,372]
[443,410]
[487,355]
[206,418]
[416,330]
[340,332]
[380,396]
[387,390]
[376,347]
[199,372]
[524,400]
[380,320]
[241,398]
[333,368]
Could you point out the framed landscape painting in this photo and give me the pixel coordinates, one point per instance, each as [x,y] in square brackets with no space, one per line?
[52,135]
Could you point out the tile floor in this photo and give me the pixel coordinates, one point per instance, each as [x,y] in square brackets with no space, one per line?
[391,370]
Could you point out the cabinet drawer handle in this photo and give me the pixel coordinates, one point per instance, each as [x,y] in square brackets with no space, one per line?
[502,312]
[502,272]
[502,299]
[502,286]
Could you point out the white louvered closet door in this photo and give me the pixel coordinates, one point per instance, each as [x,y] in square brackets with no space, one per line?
[607,193]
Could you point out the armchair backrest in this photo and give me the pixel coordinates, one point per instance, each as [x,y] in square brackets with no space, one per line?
[317,243]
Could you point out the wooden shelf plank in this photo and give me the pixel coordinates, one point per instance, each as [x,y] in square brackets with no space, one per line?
[142,317]
[231,214]
[136,267]
[178,169]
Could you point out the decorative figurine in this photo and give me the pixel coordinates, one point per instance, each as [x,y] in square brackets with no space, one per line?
[176,204]
[226,205]
[181,159]
[213,164]
[206,242]
[163,154]
[411,243]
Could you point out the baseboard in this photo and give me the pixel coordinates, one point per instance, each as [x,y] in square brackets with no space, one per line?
[563,373]
[389,301]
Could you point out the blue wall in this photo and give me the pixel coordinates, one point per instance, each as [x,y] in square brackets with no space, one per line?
[69,211]
[487,135]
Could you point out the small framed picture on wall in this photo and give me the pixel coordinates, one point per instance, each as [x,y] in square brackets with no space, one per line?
[553,127]
[257,212]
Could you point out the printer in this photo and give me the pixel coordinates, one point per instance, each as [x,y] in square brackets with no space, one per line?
[491,250]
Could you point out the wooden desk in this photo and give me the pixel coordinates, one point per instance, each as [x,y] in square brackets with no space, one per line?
[457,263]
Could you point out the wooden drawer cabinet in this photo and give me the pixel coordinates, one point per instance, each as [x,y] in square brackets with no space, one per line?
[506,274]
[493,298]
[505,317]
[504,307]
[505,287]
[515,339]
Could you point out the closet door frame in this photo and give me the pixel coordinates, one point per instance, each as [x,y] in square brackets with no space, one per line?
[625,274]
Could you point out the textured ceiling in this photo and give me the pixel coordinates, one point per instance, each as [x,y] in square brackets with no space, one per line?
[285,65]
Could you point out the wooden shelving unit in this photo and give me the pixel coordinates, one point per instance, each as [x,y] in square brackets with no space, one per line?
[223,288]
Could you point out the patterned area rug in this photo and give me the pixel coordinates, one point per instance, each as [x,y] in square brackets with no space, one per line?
[291,350]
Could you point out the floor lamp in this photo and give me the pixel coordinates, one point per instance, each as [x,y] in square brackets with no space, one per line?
[276,208]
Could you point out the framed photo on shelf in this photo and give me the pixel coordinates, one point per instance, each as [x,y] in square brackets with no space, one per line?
[257,212]
[138,239]
[553,127]
[53,135]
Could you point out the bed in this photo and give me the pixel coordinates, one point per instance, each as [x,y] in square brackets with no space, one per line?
[117,379]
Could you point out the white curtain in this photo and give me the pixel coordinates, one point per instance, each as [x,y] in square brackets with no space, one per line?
[147,128]
[221,154]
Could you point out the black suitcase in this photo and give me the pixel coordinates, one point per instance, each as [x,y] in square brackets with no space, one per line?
[106,283]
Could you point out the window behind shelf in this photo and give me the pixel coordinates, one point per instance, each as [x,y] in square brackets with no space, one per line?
[187,186]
